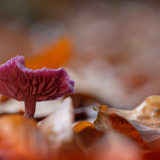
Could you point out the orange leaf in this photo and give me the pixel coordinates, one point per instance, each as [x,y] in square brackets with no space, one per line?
[121,125]
[20,137]
[3,98]
[82,125]
[86,134]
[107,121]
[55,56]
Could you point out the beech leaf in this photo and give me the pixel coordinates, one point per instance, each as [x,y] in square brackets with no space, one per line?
[58,125]
[110,121]
[21,137]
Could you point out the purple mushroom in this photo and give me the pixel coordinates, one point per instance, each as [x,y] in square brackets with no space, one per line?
[23,84]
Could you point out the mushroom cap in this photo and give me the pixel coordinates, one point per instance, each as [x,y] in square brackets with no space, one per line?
[19,82]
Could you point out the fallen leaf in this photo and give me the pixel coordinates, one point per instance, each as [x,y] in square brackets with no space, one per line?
[21,138]
[58,125]
[110,121]
[82,125]
[86,135]
[151,155]
[115,146]
[71,151]
[3,98]
[83,100]
[55,56]
[147,113]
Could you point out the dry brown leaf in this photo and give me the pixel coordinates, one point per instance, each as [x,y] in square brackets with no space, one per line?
[3,98]
[110,121]
[103,81]
[82,125]
[145,118]
[83,100]
[70,151]
[86,135]
[55,56]
[147,113]
[148,134]
[151,155]
[115,146]
[20,137]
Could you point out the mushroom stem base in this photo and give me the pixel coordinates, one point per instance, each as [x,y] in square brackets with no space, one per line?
[30,104]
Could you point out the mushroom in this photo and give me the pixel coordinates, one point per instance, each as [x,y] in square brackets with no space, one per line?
[23,84]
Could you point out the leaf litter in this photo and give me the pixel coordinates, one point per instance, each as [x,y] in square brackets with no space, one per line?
[115,133]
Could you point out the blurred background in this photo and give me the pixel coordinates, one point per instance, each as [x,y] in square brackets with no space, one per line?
[111,48]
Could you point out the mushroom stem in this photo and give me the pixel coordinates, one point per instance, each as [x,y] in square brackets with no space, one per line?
[30,104]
